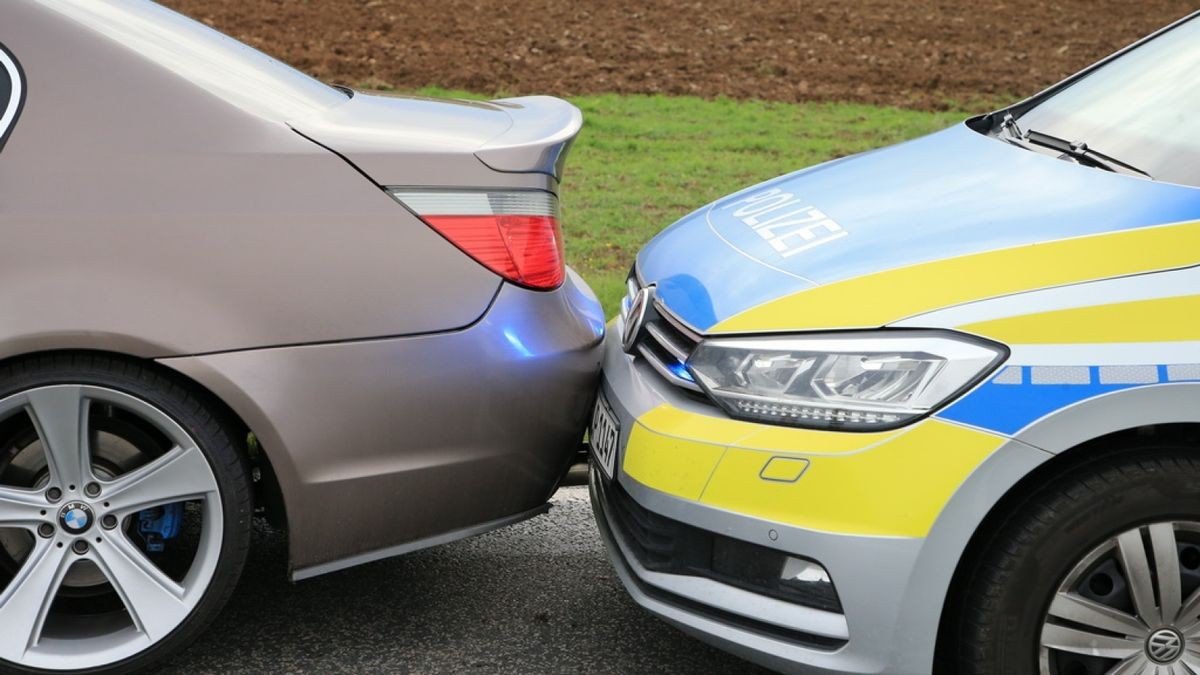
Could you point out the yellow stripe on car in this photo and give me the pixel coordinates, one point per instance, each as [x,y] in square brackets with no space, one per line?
[891,483]
[896,488]
[662,452]
[881,298]
[668,464]
[1156,320]
[665,450]
[672,421]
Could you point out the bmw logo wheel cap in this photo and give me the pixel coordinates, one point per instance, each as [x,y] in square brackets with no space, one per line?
[76,517]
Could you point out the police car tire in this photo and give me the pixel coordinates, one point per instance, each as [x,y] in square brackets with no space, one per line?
[204,420]
[1007,595]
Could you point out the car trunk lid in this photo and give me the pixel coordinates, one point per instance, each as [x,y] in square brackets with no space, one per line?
[420,141]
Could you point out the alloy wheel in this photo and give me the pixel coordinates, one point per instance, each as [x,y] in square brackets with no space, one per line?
[84,521]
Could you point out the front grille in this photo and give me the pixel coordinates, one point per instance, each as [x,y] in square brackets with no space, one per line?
[664,342]
[661,544]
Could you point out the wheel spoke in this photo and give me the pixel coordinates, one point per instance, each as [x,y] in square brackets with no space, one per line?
[155,602]
[26,601]
[1166,565]
[1137,575]
[179,475]
[1093,644]
[21,508]
[60,415]
[1182,667]
[1078,609]
[1134,665]
[1189,616]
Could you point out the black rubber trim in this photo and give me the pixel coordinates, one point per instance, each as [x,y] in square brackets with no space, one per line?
[661,544]
[20,75]
[737,621]
[417,545]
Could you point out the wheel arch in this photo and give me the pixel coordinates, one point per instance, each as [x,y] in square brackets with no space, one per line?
[267,489]
[1061,464]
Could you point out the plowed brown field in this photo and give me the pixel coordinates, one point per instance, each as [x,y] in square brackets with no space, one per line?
[908,52]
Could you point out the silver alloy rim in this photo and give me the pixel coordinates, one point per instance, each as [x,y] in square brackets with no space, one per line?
[155,603]
[1162,633]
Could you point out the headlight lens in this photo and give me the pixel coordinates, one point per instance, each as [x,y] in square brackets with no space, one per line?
[853,381]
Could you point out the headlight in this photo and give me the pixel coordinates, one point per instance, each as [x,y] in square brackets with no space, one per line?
[854,381]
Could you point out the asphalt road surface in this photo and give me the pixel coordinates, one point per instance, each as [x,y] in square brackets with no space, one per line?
[538,597]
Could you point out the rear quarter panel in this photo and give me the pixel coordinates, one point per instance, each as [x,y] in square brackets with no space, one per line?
[145,214]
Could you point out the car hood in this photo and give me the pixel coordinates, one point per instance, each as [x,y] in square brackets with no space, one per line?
[844,244]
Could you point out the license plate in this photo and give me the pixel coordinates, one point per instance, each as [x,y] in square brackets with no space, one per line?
[604,437]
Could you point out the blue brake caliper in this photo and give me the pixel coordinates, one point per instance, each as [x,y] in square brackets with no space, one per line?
[159,524]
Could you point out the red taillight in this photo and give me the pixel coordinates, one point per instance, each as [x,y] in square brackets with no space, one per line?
[523,249]
[515,234]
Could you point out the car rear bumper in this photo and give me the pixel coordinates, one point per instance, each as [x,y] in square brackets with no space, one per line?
[385,442]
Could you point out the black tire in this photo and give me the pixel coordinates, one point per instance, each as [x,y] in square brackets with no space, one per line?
[203,419]
[1008,593]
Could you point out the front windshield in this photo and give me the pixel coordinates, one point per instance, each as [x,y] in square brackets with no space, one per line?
[1142,108]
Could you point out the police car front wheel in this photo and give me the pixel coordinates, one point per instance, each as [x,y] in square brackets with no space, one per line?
[1096,573]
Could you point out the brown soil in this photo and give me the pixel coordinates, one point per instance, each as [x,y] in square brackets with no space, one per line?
[907,52]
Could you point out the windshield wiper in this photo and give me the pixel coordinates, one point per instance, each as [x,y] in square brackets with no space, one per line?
[1009,124]
[1077,150]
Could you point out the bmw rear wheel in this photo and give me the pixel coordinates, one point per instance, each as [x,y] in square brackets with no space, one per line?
[1097,573]
[124,515]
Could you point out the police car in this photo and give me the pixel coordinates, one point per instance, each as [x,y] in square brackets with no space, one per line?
[932,407]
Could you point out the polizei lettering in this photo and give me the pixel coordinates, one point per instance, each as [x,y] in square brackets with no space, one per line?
[788,224]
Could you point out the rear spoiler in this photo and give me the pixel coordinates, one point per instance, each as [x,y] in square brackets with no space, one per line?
[538,141]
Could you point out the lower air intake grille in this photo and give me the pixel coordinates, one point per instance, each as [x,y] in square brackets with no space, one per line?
[669,546]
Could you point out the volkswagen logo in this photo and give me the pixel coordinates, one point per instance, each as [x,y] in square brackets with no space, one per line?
[1164,646]
[75,517]
[635,317]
